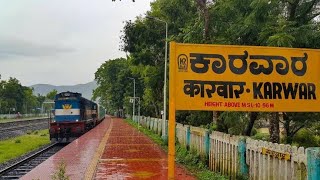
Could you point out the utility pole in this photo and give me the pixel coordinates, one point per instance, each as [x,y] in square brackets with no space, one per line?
[164,131]
[139,112]
[134,96]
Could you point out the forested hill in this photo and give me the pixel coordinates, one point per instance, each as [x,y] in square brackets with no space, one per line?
[85,89]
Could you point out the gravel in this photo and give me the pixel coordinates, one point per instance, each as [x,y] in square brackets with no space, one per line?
[30,125]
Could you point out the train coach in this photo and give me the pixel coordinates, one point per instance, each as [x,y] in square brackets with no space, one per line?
[74,115]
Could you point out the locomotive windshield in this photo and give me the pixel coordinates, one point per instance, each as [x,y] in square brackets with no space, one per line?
[68,95]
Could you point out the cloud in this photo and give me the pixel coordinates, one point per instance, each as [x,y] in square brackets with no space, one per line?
[61,42]
[18,47]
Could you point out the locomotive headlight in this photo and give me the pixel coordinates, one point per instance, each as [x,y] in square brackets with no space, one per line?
[77,120]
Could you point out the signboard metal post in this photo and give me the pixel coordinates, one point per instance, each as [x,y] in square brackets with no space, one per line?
[172,113]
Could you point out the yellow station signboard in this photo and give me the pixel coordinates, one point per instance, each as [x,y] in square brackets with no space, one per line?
[241,78]
[245,78]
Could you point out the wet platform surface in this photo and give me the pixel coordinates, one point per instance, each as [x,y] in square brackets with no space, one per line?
[129,154]
[77,156]
[112,150]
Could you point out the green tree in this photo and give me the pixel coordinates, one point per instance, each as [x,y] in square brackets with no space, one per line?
[113,80]
[30,101]
[144,39]
[40,99]
[294,26]
[51,95]
[281,23]
[16,98]
[13,94]
[293,122]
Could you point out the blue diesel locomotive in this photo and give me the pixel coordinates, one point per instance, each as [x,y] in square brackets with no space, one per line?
[73,116]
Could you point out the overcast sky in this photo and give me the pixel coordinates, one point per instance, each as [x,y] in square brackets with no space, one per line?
[61,42]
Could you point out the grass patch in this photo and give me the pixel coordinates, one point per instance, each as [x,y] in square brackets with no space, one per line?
[189,159]
[60,174]
[261,136]
[15,147]
[155,138]
[195,163]
[263,130]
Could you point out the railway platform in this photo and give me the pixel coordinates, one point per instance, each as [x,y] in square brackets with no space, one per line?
[112,150]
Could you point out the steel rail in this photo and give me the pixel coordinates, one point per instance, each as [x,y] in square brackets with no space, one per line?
[21,162]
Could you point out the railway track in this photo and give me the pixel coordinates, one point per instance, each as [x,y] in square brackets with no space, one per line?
[12,129]
[22,167]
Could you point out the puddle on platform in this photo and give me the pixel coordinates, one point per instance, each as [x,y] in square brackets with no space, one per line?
[142,174]
[132,150]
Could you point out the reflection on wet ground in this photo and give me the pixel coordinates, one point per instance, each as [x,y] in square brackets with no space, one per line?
[77,156]
[112,150]
[129,154]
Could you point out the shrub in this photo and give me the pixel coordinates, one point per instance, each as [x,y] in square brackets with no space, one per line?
[316,129]
[318,140]
[211,127]
[17,141]
[60,174]
[261,136]
[197,118]
[305,138]
[253,131]
[234,130]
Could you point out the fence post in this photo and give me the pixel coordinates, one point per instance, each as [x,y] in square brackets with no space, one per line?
[242,156]
[206,142]
[159,124]
[188,137]
[313,163]
[155,127]
[149,125]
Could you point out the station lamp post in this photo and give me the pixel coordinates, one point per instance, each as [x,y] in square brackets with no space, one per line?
[134,95]
[134,98]
[164,132]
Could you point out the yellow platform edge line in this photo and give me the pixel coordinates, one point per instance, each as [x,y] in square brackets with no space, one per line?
[133,160]
[90,172]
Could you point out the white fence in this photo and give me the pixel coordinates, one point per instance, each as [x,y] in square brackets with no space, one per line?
[223,155]
[236,155]
[272,165]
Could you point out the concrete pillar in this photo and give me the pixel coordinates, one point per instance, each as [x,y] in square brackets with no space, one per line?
[188,137]
[313,163]
[206,142]
[242,157]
